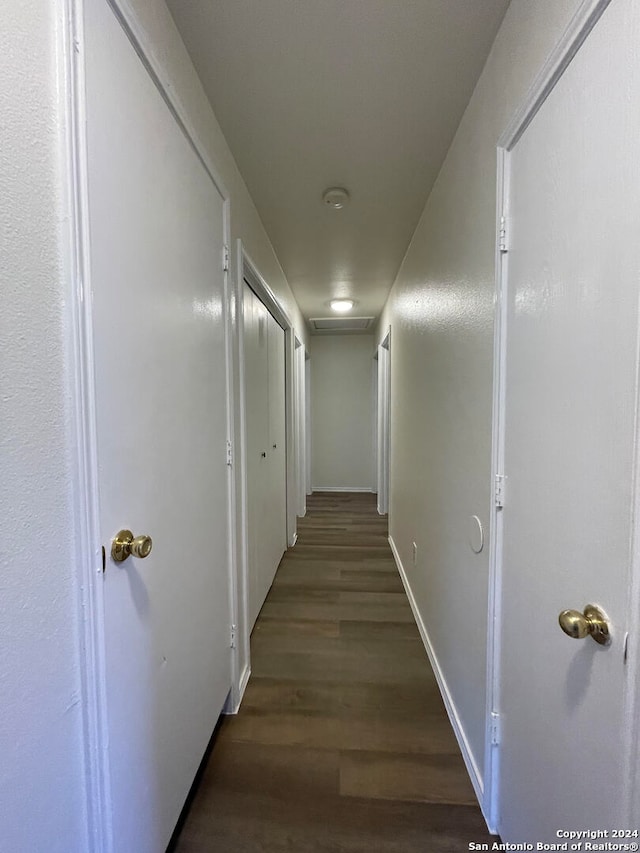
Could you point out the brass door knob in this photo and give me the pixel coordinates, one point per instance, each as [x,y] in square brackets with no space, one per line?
[126,545]
[592,622]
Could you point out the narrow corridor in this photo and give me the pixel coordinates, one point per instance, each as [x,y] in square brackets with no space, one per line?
[342,742]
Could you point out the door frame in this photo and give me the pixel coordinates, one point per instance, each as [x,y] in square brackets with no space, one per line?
[71,70]
[300,413]
[383,422]
[246,270]
[307,425]
[583,22]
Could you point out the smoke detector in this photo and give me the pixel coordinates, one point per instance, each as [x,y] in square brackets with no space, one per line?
[336,197]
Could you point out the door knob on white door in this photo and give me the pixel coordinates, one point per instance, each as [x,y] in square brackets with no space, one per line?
[592,622]
[126,545]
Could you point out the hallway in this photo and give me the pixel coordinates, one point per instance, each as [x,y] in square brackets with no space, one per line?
[342,742]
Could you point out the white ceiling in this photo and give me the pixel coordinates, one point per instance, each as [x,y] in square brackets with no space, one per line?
[365,94]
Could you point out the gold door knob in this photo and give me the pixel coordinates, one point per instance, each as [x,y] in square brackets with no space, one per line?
[592,622]
[125,545]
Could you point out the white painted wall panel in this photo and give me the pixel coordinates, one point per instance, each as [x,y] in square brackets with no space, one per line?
[342,412]
[441,314]
[41,772]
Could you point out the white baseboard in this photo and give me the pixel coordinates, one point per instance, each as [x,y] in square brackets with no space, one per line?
[231,709]
[342,489]
[472,767]
[295,537]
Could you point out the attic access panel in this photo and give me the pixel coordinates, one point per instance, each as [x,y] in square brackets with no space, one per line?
[341,324]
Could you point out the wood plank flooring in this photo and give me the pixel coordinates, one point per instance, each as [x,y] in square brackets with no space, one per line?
[342,742]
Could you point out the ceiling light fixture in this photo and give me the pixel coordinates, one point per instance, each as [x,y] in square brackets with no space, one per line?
[336,197]
[341,306]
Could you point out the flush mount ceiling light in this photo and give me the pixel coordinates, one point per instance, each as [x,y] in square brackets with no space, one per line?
[336,197]
[341,306]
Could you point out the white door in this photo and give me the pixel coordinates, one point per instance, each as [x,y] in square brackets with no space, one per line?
[264,368]
[570,402]
[257,418]
[156,232]
[276,452]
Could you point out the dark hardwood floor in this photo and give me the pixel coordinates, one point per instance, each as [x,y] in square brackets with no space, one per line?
[342,742]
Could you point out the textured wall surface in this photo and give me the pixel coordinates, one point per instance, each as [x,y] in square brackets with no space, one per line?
[342,370]
[441,314]
[156,20]
[41,775]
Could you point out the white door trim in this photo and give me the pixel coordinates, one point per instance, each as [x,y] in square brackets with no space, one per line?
[383,438]
[375,381]
[240,612]
[86,504]
[307,423]
[631,748]
[570,42]
[81,366]
[301,427]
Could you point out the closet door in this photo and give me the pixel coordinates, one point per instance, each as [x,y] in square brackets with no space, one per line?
[257,414]
[277,468]
[264,351]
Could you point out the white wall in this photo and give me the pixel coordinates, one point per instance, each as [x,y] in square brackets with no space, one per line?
[342,411]
[441,314]
[156,21]
[42,799]
[41,769]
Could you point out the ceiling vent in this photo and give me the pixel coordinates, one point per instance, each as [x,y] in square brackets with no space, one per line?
[341,324]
